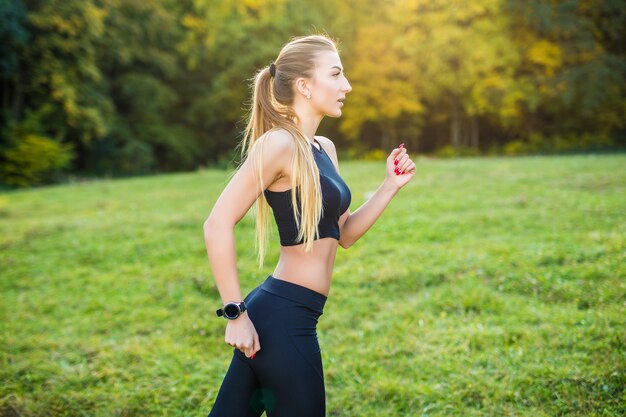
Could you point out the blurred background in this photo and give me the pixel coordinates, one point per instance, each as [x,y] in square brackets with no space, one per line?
[93,88]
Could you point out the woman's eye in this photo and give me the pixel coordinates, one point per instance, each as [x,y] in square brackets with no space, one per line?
[336,74]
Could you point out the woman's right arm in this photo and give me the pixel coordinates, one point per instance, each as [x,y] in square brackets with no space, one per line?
[241,192]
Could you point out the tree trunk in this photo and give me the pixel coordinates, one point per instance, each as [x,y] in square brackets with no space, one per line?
[389,136]
[455,124]
[474,132]
[6,85]
[529,125]
[17,99]
[384,135]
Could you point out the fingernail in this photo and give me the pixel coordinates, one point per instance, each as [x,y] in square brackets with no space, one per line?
[252,357]
[401,145]
[395,162]
[395,170]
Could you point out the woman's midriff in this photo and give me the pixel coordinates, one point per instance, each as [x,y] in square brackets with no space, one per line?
[313,270]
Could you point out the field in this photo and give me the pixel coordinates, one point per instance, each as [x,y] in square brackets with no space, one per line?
[488,287]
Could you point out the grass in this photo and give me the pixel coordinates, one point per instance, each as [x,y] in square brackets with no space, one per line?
[488,287]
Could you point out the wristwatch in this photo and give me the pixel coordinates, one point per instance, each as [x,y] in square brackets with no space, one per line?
[231,310]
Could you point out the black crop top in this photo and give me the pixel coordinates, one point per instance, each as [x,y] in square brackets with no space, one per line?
[336,198]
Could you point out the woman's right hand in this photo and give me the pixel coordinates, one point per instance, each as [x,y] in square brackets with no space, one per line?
[240,333]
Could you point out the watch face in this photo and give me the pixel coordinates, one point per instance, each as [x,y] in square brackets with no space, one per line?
[231,310]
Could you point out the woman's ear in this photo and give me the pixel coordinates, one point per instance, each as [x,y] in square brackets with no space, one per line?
[302,86]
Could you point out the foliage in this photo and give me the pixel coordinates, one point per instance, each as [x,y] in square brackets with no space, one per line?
[34,160]
[142,87]
[375,155]
[537,143]
[450,151]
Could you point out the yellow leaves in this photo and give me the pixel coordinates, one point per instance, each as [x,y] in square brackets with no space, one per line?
[191,21]
[70,23]
[546,54]
[379,66]
[95,16]
[254,4]
[481,92]
[258,10]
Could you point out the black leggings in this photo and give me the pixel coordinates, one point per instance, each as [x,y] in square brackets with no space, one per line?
[285,378]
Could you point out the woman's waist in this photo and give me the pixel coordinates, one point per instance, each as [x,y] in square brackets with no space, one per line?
[295,291]
[315,279]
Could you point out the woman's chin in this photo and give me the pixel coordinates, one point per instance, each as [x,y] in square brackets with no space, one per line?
[336,113]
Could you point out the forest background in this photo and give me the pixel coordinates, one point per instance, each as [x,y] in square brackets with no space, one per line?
[92,88]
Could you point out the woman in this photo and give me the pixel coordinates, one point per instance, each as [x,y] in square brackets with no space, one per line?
[277,364]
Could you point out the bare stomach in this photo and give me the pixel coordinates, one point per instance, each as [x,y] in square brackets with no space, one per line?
[313,270]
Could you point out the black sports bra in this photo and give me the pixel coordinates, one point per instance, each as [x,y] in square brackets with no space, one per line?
[336,198]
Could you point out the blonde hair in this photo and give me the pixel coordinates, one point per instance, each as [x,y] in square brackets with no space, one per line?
[272,109]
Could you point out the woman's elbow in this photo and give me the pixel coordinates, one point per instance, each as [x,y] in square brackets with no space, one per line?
[344,243]
[213,225]
[208,225]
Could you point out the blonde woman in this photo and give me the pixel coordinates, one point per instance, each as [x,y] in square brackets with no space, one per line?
[277,364]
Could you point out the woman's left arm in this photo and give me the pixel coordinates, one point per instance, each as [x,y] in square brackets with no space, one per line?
[359,222]
[356,224]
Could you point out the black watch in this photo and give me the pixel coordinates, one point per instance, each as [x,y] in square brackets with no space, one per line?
[231,310]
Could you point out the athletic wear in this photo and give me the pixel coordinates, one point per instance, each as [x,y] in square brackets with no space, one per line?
[286,377]
[336,198]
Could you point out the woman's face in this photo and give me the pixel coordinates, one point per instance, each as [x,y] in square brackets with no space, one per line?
[330,85]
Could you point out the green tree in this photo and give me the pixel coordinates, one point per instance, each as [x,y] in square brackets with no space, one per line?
[61,68]
[145,78]
[226,41]
[573,55]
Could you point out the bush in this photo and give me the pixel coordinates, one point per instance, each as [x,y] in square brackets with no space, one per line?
[375,155]
[449,151]
[565,143]
[34,160]
[516,147]
[136,158]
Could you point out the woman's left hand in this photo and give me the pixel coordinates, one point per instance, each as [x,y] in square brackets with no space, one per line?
[400,173]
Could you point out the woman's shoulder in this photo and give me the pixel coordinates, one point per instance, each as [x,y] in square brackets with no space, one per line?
[329,147]
[278,140]
[327,143]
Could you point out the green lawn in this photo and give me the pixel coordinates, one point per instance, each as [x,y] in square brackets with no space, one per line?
[489,287]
